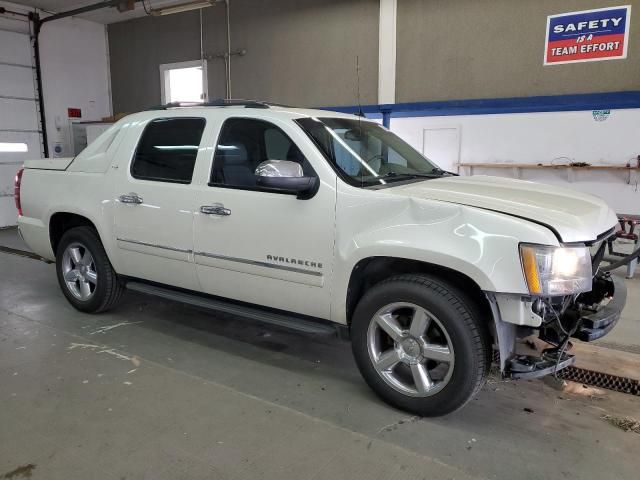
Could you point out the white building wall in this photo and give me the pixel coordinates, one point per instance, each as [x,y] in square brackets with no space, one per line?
[550,137]
[75,73]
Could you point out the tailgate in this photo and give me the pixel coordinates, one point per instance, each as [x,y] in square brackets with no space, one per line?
[49,163]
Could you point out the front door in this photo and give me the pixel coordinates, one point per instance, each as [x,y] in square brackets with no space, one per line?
[154,202]
[259,246]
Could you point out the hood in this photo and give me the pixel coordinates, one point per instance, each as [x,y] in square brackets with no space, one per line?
[575,216]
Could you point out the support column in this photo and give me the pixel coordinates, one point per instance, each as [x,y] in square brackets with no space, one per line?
[387,52]
[386,118]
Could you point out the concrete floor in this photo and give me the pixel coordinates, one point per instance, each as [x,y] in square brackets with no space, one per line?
[160,390]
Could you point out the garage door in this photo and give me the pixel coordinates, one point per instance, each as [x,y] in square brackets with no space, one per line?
[19,125]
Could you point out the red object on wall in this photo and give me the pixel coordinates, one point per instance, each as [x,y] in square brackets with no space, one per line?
[74,113]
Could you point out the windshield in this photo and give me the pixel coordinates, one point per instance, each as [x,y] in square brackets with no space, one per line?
[366,154]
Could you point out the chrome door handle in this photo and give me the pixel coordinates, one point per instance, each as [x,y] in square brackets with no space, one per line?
[215,210]
[131,198]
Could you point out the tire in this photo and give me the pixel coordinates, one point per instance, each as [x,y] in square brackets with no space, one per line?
[432,373]
[84,272]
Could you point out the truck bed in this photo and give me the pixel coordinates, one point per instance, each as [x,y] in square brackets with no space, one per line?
[48,163]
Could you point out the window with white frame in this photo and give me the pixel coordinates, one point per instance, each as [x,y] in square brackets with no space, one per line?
[184,81]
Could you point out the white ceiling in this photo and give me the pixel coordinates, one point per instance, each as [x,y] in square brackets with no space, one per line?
[104,15]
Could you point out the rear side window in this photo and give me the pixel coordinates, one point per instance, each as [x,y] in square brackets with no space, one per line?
[168,149]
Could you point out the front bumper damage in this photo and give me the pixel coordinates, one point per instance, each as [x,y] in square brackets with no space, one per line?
[596,323]
[535,341]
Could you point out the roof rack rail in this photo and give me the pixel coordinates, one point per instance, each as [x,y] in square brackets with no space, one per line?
[214,103]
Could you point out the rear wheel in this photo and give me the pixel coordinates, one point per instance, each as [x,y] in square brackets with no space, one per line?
[85,274]
[420,344]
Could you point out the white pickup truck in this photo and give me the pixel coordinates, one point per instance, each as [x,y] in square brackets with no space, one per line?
[325,222]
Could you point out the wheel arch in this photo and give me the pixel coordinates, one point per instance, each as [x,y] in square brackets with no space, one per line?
[60,222]
[372,270]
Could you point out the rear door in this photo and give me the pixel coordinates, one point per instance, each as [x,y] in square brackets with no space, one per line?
[19,125]
[154,201]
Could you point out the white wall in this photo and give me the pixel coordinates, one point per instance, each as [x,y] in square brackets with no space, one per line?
[75,73]
[545,138]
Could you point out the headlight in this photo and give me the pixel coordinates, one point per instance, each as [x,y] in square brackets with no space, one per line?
[556,270]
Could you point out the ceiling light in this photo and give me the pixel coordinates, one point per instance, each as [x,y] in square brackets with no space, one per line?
[183,7]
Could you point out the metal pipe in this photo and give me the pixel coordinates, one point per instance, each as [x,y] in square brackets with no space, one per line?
[226,2]
[205,76]
[201,38]
[3,10]
[77,11]
[37,24]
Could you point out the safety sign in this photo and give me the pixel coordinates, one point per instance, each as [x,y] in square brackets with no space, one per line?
[587,36]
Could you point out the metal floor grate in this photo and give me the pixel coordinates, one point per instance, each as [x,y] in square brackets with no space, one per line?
[601,380]
[594,379]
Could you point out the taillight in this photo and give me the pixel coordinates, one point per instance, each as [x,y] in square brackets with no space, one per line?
[16,190]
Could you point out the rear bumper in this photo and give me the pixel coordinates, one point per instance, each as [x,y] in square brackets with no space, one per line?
[596,324]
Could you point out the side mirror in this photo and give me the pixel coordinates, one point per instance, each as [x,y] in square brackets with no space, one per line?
[286,176]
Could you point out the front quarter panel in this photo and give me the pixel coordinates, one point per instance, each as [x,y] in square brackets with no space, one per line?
[481,244]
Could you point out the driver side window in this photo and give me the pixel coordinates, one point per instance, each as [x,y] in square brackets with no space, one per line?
[243,144]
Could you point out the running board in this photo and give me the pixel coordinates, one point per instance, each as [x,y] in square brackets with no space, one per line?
[288,321]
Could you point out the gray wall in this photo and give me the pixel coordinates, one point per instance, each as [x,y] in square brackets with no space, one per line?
[138,47]
[299,52]
[460,49]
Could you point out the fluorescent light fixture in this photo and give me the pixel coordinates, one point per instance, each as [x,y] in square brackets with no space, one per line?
[6,147]
[183,7]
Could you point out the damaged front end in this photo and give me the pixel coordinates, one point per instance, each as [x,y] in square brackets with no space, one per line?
[533,332]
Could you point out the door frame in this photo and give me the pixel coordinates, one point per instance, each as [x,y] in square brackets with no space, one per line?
[164,77]
[458,130]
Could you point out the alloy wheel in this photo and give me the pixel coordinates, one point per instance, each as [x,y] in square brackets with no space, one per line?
[410,349]
[79,271]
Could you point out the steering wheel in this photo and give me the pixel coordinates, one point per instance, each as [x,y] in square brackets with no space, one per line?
[367,162]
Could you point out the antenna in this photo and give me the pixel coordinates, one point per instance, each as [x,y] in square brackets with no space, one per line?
[358,85]
[360,115]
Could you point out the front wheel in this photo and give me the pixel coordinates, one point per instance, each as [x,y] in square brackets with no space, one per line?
[420,344]
[85,274]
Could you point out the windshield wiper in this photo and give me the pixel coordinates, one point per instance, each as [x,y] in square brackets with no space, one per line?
[441,172]
[409,175]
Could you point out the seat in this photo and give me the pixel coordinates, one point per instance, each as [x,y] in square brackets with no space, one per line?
[235,166]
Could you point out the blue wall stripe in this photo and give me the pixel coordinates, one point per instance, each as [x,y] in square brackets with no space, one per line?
[553,103]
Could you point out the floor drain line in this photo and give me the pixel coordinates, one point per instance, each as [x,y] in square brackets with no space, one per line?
[601,380]
[22,253]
